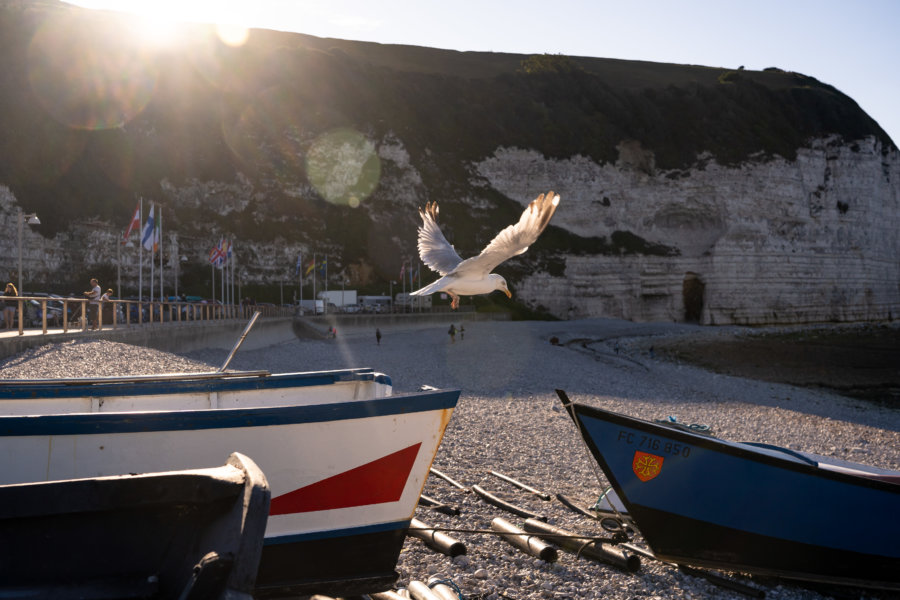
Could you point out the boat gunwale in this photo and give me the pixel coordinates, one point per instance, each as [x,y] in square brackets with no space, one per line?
[719,445]
[200,375]
[180,383]
[102,423]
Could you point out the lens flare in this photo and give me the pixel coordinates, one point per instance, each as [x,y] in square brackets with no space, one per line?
[85,80]
[343,167]
[232,35]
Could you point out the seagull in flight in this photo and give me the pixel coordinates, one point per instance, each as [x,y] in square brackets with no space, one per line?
[473,276]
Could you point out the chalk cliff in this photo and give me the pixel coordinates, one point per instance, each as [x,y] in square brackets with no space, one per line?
[775,241]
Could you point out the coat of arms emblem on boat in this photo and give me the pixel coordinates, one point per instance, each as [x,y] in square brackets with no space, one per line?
[646,466]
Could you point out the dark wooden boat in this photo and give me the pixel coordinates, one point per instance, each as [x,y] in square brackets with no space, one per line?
[755,508]
[194,534]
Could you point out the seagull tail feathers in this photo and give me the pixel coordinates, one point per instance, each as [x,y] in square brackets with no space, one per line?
[428,289]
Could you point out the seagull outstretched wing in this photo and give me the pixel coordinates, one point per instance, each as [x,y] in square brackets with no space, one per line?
[513,240]
[434,249]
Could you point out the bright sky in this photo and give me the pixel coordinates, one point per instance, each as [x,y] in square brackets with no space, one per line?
[854,46]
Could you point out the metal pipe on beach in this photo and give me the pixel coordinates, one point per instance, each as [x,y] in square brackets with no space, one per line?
[436,540]
[449,480]
[571,504]
[438,506]
[442,590]
[421,591]
[389,595]
[516,510]
[584,546]
[524,541]
[542,495]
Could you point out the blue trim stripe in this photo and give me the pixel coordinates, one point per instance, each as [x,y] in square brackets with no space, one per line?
[131,422]
[335,533]
[77,389]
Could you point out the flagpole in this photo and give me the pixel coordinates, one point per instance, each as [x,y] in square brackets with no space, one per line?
[315,266]
[162,296]
[119,268]
[152,264]
[141,255]
[232,259]
[325,303]
[225,272]
[152,275]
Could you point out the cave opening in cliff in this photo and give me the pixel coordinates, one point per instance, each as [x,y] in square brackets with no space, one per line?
[692,294]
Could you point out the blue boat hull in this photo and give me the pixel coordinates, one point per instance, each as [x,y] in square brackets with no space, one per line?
[702,501]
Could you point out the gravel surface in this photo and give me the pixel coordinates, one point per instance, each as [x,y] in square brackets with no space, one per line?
[510,420]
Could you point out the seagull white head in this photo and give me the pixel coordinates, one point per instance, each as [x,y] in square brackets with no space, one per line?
[500,284]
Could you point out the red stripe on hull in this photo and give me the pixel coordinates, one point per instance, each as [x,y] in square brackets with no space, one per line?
[377,482]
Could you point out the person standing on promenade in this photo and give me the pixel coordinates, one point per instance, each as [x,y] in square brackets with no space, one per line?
[103,300]
[94,300]
[452,332]
[9,306]
[378,336]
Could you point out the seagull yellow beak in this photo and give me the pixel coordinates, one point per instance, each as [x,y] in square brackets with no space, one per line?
[507,292]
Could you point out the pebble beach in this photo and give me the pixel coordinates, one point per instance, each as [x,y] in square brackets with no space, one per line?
[510,420]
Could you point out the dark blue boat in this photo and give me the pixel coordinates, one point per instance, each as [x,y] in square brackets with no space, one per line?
[755,508]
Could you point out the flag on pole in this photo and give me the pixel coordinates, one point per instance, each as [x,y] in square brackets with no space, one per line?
[402,271]
[217,254]
[299,265]
[135,223]
[310,266]
[149,229]
[323,266]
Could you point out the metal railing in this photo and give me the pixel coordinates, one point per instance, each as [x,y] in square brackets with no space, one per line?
[76,314]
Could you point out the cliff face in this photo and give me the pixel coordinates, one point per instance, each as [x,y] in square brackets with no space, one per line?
[813,239]
[688,193]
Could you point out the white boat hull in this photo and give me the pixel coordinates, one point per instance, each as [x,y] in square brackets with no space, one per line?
[344,459]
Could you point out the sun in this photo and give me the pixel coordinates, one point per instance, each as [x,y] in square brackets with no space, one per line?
[164,21]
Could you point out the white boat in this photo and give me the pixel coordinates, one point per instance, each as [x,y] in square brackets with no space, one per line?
[345,459]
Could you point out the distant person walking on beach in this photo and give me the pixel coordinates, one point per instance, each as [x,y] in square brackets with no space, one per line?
[462,332]
[9,306]
[378,336]
[93,295]
[452,332]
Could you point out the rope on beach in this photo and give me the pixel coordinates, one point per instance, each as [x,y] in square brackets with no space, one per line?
[692,427]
